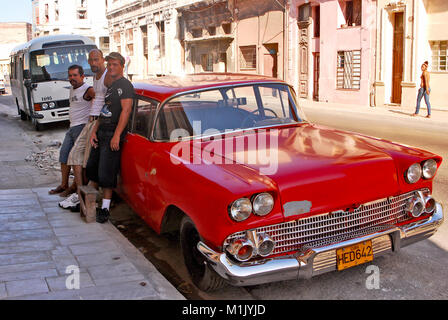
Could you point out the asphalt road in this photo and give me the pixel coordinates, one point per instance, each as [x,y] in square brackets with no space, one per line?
[416,272]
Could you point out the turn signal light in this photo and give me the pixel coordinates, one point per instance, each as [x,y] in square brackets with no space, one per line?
[241,249]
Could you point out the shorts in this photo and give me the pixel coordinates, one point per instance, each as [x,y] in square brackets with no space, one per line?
[103,165]
[69,140]
[81,149]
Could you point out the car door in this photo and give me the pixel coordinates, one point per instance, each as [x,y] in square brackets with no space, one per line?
[136,157]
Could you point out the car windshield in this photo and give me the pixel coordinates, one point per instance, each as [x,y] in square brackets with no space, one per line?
[52,64]
[225,110]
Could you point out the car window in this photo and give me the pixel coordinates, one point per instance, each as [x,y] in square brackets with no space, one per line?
[143,117]
[226,109]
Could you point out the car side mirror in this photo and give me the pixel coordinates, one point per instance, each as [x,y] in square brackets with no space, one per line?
[26,74]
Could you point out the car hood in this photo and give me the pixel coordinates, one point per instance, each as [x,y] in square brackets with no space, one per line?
[316,169]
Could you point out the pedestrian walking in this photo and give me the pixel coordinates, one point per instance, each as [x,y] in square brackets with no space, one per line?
[81,95]
[80,152]
[109,132]
[424,90]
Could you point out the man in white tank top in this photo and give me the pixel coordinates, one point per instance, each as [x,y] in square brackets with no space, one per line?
[80,99]
[80,152]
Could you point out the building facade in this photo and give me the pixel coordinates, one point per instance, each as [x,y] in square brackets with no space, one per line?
[11,35]
[83,17]
[332,50]
[411,32]
[233,36]
[146,33]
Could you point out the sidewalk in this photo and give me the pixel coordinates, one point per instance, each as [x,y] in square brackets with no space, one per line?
[39,240]
[439,117]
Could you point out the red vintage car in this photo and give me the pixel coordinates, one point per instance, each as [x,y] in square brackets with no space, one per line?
[258,193]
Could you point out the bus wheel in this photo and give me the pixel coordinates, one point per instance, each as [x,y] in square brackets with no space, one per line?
[37,126]
[23,115]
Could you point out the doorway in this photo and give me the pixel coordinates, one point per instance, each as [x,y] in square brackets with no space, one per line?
[270,61]
[316,74]
[397,58]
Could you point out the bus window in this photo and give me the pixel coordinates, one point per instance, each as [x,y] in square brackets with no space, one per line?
[52,63]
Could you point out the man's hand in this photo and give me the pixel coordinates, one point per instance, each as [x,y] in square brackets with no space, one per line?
[115,143]
[94,140]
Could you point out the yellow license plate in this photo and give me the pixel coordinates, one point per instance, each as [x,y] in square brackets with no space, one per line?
[354,255]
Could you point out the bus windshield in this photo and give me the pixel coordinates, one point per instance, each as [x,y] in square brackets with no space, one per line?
[52,63]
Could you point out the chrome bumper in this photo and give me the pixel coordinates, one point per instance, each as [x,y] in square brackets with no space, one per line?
[320,260]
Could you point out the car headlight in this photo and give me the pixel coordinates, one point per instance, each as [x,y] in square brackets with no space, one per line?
[45,106]
[429,168]
[414,173]
[263,204]
[240,209]
[51,104]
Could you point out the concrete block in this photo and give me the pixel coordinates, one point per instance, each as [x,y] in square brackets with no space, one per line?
[53,210]
[30,274]
[67,231]
[88,203]
[27,267]
[23,258]
[108,274]
[24,225]
[83,238]
[121,291]
[12,217]
[16,191]
[63,222]
[89,248]
[106,258]
[20,203]
[26,287]
[35,234]
[3,293]
[26,246]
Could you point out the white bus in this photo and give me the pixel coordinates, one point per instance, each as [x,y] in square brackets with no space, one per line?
[39,76]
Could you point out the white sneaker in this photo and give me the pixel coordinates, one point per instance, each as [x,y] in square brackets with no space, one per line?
[70,201]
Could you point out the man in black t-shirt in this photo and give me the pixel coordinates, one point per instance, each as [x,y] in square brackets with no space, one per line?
[109,132]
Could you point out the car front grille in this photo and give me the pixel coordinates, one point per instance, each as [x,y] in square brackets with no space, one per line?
[324,229]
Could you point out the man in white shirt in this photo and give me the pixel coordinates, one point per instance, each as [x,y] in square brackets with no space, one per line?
[81,95]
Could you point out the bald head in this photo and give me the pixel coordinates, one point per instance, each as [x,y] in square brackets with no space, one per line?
[96,52]
[96,61]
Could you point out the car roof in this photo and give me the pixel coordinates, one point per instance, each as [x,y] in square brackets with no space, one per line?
[164,87]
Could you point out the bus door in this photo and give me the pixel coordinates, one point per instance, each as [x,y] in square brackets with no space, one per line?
[21,88]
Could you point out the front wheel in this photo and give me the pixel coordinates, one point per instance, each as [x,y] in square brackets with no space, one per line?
[203,276]
[37,126]
[23,115]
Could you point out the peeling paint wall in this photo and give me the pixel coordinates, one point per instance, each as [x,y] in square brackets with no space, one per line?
[218,37]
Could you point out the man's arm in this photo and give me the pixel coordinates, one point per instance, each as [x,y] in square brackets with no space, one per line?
[93,138]
[126,108]
[89,94]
